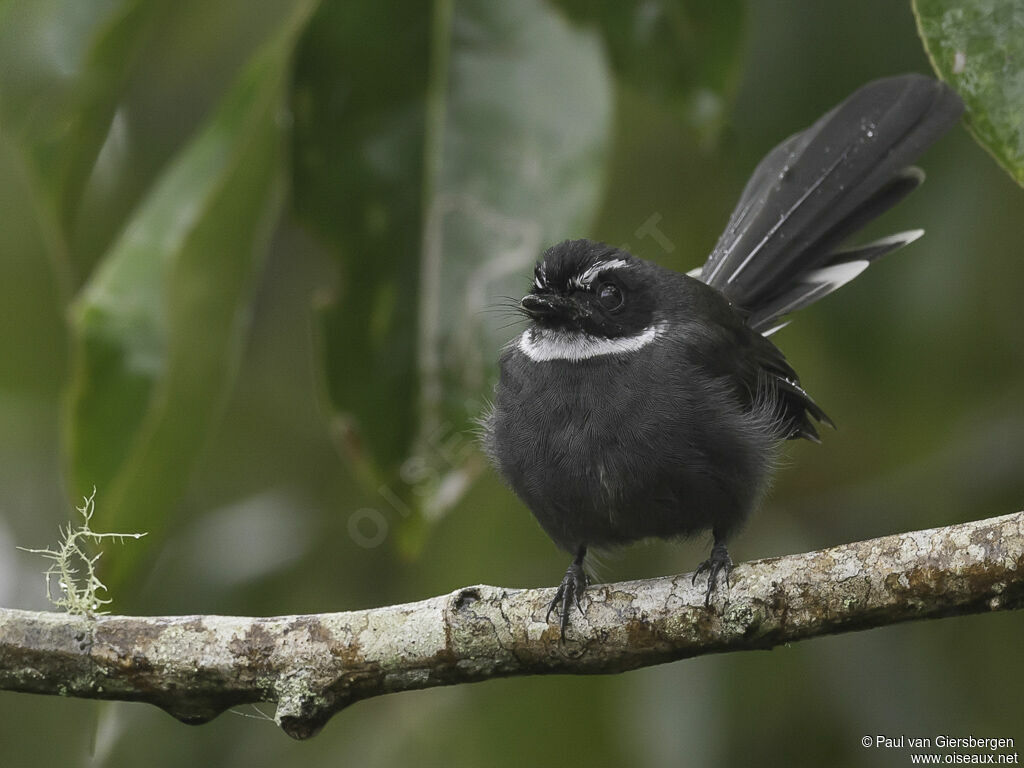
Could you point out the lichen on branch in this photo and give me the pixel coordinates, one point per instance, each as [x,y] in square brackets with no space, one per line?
[73,566]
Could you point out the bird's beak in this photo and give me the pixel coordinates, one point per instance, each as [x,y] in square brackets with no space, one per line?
[548,306]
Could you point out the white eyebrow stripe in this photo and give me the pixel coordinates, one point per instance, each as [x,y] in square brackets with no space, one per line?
[584,280]
[542,345]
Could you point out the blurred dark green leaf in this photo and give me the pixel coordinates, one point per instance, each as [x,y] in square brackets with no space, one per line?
[359,103]
[65,64]
[677,52]
[33,281]
[978,47]
[187,57]
[158,327]
[454,152]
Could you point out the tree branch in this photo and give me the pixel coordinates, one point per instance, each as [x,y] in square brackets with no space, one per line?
[195,667]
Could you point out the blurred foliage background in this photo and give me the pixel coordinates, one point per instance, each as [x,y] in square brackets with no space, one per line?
[244,256]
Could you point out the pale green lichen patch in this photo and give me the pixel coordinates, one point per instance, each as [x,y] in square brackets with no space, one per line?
[73,567]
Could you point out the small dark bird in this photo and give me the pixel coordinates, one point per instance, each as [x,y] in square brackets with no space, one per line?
[641,402]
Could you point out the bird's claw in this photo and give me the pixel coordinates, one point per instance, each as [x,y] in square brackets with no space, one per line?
[573,585]
[718,562]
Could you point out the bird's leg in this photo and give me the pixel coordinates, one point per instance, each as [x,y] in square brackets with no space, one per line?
[718,562]
[573,584]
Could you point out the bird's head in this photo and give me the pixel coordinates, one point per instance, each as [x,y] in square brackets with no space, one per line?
[584,287]
[589,300]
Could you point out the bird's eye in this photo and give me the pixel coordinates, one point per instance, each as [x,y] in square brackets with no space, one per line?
[609,295]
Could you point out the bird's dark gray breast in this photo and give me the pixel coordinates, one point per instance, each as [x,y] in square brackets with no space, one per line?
[627,446]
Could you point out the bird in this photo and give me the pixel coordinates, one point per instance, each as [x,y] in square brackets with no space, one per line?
[640,402]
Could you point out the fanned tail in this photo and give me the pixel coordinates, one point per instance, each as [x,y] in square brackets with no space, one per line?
[781,248]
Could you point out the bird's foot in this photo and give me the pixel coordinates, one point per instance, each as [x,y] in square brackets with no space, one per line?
[714,565]
[573,585]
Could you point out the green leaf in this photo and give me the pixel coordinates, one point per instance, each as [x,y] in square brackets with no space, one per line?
[158,328]
[358,167]
[684,53]
[188,56]
[978,47]
[65,64]
[439,176]
[33,282]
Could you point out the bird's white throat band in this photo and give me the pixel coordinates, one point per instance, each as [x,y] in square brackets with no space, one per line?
[541,345]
